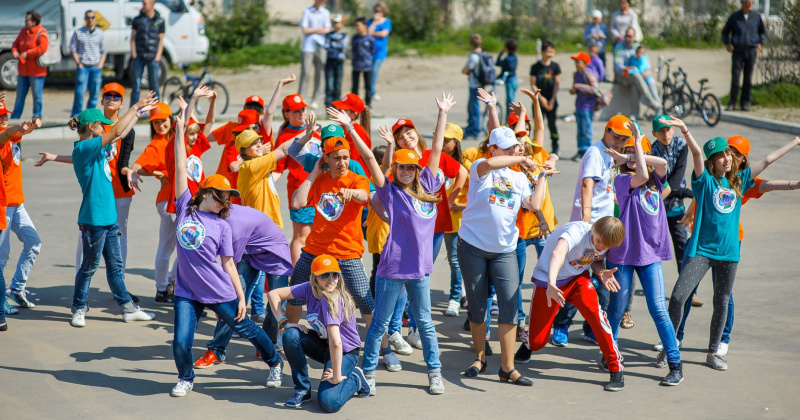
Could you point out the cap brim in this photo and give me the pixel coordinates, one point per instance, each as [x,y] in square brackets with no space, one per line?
[234,193]
[5,111]
[294,106]
[319,273]
[159,116]
[628,133]
[507,144]
[106,121]
[342,105]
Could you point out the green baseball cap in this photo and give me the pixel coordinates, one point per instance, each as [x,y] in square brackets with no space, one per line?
[658,125]
[715,145]
[93,115]
[332,130]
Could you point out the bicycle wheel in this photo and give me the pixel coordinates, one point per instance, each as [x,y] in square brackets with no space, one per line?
[222,99]
[677,104]
[711,110]
[172,89]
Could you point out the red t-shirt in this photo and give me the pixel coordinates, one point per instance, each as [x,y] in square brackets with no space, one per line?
[194,167]
[354,155]
[296,173]
[448,167]
[153,158]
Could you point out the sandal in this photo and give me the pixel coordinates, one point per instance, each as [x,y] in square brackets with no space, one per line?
[506,377]
[473,371]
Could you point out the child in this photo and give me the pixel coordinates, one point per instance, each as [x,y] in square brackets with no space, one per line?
[639,63]
[585,88]
[546,75]
[203,282]
[596,34]
[508,67]
[363,49]
[336,45]
[332,338]
[354,107]
[596,66]
[97,217]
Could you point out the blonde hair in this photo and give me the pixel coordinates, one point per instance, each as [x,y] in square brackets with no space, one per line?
[732,176]
[383,7]
[194,128]
[82,129]
[609,230]
[416,189]
[421,143]
[332,298]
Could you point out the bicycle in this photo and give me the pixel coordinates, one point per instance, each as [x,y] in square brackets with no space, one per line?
[682,103]
[500,81]
[173,88]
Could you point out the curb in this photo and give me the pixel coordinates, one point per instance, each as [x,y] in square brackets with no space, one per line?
[759,122]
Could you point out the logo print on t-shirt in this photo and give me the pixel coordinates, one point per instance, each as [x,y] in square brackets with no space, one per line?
[194,168]
[313,147]
[317,325]
[650,200]
[424,209]
[107,169]
[15,152]
[110,151]
[440,179]
[191,234]
[330,206]
[724,200]
[585,260]
[502,191]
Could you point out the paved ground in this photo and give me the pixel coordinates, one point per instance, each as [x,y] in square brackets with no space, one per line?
[112,369]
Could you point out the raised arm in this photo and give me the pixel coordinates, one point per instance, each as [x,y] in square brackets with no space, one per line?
[117,129]
[490,101]
[697,152]
[296,148]
[181,183]
[758,167]
[386,134]
[211,114]
[444,106]
[200,91]
[498,162]
[369,158]
[300,196]
[538,120]
[767,186]
[266,120]
[14,131]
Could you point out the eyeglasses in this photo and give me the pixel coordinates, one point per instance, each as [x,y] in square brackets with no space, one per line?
[89,18]
[112,97]
[628,36]
[329,276]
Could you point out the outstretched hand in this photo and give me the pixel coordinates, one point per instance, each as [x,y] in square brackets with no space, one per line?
[674,122]
[607,277]
[619,159]
[555,294]
[182,104]
[517,109]
[133,180]
[311,122]
[201,91]
[339,116]
[148,102]
[286,80]
[46,157]
[485,97]
[386,134]
[446,102]
[531,94]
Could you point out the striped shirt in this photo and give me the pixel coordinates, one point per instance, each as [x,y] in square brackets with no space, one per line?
[89,45]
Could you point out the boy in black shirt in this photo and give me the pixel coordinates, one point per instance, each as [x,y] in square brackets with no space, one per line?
[546,75]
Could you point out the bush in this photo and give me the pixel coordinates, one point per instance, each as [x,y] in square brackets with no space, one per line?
[264,54]
[416,20]
[245,25]
[774,95]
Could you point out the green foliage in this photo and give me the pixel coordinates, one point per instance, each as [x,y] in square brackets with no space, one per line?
[774,95]
[245,25]
[264,54]
[417,20]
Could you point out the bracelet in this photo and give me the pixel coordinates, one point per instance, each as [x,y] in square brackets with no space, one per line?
[490,101]
[282,323]
[790,185]
[350,127]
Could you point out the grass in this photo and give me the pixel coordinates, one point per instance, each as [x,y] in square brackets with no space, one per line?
[264,54]
[774,95]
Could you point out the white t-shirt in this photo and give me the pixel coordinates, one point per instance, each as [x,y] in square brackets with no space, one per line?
[581,253]
[314,18]
[472,61]
[493,201]
[598,165]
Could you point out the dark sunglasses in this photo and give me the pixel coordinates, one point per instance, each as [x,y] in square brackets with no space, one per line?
[89,17]
[112,97]
[329,276]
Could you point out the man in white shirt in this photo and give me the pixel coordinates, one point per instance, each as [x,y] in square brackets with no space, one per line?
[315,24]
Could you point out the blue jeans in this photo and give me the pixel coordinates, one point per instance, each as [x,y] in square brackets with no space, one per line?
[152,77]
[438,238]
[451,245]
[652,279]
[97,241]
[20,223]
[297,346]
[522,247]
[512,83]
[376,67]
[188,312]
[93,77]
[3,302]
[473,128]
[387,292]
[36,85]
[584,120]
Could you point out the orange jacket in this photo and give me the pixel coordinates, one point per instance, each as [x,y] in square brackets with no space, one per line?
[33,41]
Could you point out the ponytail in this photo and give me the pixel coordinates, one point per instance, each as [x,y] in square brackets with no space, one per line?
[365,119]
[83,130]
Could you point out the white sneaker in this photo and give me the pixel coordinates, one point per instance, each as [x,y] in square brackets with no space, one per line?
[314,105]
[376,97]
[660,345]
[79,317]
[723,349]
[137,315]
[181,388]
[435,383]
[414,340]
[275,376]
[453,308]
[400,345]
[371,381]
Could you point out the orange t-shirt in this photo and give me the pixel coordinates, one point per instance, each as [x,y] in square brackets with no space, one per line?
[194,167]
[12,172]
[354,155]
[112,155]
[751,193]
[296,172]
[153,158]
[3,224]
[449,168]
[337,227]
[224,137]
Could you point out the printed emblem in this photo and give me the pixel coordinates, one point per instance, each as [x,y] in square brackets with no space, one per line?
[107,169]
[331,128]
[15,152]
[297,99]
[255,99]
[191,234]
[650,200]
[411,155]
[401,122]
[585,260]
[194,168]
[724,200]
[317,325]
[326,262]
[424,209]
[440,179]
[314,147]
[344,98]
[330,206]
[241,120]
[711,144]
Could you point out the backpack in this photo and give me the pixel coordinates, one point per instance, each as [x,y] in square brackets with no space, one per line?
[485,70]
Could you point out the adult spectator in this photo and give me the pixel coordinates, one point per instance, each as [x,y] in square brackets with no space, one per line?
[623,19]
[473,128]
[596,33]
[379,27]
[31,43]
[634,81]
[743,35]
[315,23]
[88,48]
[147,45]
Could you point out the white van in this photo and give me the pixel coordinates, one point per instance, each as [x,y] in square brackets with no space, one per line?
[184,39]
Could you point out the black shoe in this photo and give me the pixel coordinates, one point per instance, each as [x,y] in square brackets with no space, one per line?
[164,299]
[616,383]
[473,371]
[4,327]
[134,298]
[675,375]
[487,348]
[730,107]
[466,325]
[745,107]
[577,158]
[523,355]
[506,377]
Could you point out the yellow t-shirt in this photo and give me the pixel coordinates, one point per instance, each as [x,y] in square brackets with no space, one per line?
[377,232]
[540,156]
[471,155]
[461,199]
[257,188]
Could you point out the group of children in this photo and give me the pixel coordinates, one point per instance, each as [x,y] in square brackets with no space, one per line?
[487,204]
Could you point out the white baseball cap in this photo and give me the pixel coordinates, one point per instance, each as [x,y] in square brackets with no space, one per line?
[336,18]
[503,137]
[597,14]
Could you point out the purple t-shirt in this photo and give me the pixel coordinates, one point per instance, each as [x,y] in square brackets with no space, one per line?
[408,253]
[258,240]
[319,318]
[583,101]
[642,212]
[201,237]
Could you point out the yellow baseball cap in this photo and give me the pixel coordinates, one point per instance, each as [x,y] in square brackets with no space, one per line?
[246,138]
[453,131]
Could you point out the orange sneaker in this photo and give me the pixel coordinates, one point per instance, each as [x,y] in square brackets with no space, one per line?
[209,359]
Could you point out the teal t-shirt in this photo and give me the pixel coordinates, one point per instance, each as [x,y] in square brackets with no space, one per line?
[94,175]
[353,166]
[716,228]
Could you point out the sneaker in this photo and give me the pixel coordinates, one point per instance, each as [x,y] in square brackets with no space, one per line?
[466,325]
[376,97]
[364,390]
[181,388]
[589,337]
[453,308]
[209,359]
[391,362]
[560,337]
[414,340]
[275,376]
[297,400]
[603,364]
[627,320]
[137,315]
[164,299]
[371,382]
[435,383]
[79,317]
[400,345]
[661,361]
[717,362]
[723,349]
[258,318]
[487,349]
[660,345]
[523,355]
[11,310]
[616,383]
[675,375]
[696,302]
[4,327]
[20,296]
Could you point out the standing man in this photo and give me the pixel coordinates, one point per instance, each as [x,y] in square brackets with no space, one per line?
[743,35]
[147,45]
[315,23]
[473,128]
[88,48]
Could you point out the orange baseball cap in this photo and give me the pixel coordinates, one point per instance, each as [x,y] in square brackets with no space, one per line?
[402,123]
[294,102]
[3,109]
[406,157]
[741,144]
[514,118]
[333,144]
[620,124]
[582,56]
[114,87]
[350,101]
[254,98]
[160,112]
[646,145]
[220,183]
[324,264]
[247,117]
